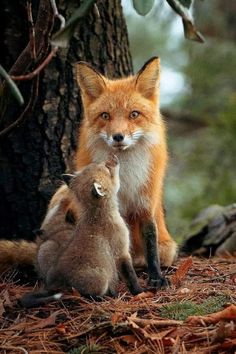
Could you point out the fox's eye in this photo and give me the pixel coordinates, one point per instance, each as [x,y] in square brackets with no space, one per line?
[105,116]
[134,114]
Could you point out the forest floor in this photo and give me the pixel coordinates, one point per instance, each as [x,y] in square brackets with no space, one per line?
[197,314]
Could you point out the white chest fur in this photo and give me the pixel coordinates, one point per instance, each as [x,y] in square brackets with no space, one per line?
[134,172]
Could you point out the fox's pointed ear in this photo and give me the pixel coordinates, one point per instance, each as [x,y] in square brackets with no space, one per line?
[97,190]
[90,81]
[67,177]
[147,79]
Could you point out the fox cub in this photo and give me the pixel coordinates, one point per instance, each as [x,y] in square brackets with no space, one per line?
[99,248]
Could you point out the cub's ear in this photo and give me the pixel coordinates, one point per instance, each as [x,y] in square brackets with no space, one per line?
[67,177]
[148,77]
[90,81]
[97,190]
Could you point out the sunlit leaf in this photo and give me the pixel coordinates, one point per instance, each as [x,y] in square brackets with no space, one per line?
[62,37]
[190,30]
[143,7]
[12,86]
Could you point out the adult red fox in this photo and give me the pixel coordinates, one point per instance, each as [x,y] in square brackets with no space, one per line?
[122,116]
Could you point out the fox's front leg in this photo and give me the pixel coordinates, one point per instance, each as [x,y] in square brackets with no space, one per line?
[127,272]
[149,236]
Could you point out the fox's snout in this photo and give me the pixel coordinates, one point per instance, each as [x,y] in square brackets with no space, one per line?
[118,137]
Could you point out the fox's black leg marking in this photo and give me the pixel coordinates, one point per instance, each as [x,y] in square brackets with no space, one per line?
[128,274]
[149,236]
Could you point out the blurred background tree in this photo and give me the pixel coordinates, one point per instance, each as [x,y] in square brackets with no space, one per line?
[198,99]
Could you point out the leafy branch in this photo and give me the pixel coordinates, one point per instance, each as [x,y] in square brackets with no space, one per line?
[181,7]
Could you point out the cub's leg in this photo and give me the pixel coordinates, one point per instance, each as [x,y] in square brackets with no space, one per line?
[127,272]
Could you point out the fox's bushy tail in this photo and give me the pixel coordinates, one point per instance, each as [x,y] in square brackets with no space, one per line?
[14,253]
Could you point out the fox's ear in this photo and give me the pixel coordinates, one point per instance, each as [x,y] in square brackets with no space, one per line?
[67,177]
[97,190]
[147,79]
[90,81]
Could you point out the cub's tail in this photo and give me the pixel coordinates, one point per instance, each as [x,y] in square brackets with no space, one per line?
[39,298]
[14,253]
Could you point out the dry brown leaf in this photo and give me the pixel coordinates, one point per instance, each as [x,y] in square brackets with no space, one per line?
[229,313]
[181,272]
[143,295]
[128,339]
[116,317]
[45,322]
[223,331]
[61,329]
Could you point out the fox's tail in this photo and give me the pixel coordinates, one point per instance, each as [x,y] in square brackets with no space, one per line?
[16,252]
[39,298]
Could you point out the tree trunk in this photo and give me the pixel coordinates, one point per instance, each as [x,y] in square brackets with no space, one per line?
[35,154]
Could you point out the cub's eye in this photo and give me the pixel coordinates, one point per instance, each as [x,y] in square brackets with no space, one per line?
[134,114]
[105,116]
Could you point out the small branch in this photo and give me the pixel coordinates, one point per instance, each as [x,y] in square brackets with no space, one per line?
[31,31]
[43,26]
[34,73]
[57,14]
[219,277]
[9,347]
[28,108]
[160,323]
[46,61]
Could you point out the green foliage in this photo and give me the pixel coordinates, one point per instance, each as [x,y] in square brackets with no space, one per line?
[87,349]
[12,86]
[143,7]
[181,310]
[181,7]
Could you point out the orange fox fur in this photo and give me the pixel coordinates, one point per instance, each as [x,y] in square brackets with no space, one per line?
[122,116]
[143,152]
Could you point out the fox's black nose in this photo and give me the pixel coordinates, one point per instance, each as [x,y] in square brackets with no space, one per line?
[118,137]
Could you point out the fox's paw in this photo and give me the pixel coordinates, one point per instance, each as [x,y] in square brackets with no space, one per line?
[137,290]
[157,284]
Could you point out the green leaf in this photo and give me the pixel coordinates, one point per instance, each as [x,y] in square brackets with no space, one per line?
[62,37]
[190,30]
[12,86]
[186,3]
[143,7]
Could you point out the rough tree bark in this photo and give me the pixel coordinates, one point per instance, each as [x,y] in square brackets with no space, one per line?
[35,154]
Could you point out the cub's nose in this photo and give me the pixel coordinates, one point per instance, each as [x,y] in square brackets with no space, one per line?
[118,137]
